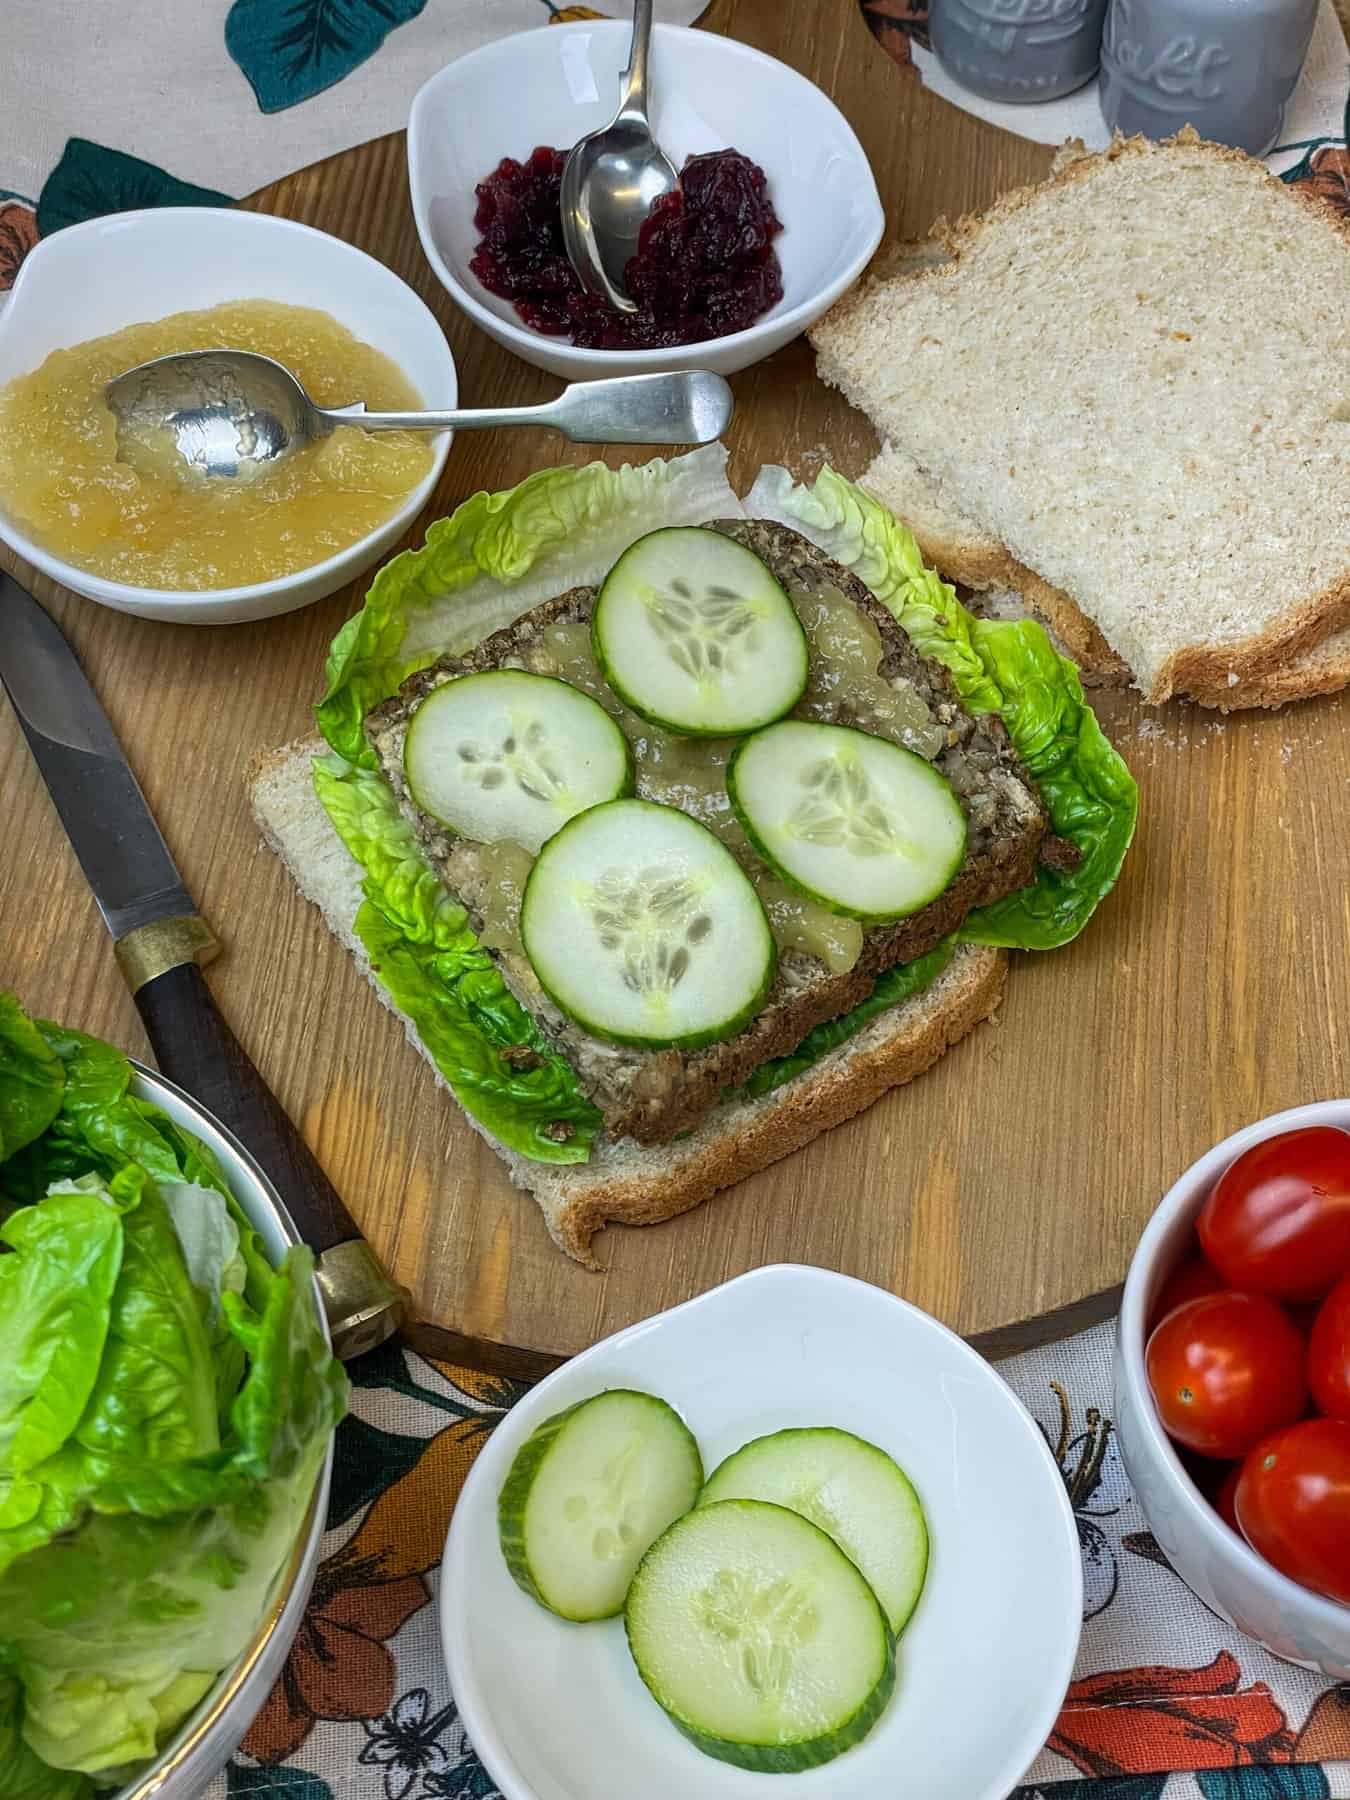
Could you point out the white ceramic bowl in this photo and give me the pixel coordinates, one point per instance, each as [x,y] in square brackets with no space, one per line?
[558,1712]
[208,1739]
[94,278]
[1215,1562]
[553,85]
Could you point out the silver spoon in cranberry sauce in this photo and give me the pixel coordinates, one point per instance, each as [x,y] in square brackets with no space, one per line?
[612,179]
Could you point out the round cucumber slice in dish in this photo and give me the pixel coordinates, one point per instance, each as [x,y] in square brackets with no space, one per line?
[643,928]
[848,1488]
[694,632]
[505,754]
[848,819]
[589,1492]
[759,1638]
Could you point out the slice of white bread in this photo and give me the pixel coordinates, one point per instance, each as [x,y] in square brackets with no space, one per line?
[965,552]
[623,1182]
[1136,377]
[962,550]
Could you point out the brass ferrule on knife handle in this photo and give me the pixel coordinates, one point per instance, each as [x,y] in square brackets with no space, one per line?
[166,944]
[362,1304]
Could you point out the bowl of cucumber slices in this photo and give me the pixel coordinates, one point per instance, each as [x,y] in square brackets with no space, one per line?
[794,1527]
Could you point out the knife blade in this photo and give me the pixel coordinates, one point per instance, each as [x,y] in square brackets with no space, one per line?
[125,860]
[161,943]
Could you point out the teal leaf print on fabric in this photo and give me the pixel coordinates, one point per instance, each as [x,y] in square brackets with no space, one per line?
[91,180]
[366,1461]
[290,50]
[1266,1781]
[1114,1787]
[268,1784]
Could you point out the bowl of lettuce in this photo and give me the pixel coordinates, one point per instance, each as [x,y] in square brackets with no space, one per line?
[168,1398]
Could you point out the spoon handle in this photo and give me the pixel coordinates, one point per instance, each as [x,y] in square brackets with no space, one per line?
[687,406]
[634,102]
[472,418]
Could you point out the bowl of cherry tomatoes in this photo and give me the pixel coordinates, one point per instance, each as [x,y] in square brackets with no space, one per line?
[1233,1381]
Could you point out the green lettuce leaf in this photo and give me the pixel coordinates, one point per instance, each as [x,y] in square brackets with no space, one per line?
[56,1289]
[23,1775]
[100,1125]
[155,1397]
[197,1165]
[1003,666]
[496,556]
[31,1080]
[141,1393]
[427,959]
[209,1238]
[893,988]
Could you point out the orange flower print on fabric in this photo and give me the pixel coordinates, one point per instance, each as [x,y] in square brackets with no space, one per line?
[18,234]
[895,24]
[340,1667]
[1327,175]
[1138,1721]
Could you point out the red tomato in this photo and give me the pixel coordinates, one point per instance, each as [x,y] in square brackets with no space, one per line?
[1187,1281]
[1293,1503]
[1329,1354]
[1223,1500]
[1226,1370]
[1278,1221]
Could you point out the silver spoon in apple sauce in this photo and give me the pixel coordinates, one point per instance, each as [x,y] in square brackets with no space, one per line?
[233,415]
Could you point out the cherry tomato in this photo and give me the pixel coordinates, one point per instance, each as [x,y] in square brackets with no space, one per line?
[1293,1503]
[1329,1354]
[1187,1281]
[1223,1499]
[1278,1221]
[1226,1370]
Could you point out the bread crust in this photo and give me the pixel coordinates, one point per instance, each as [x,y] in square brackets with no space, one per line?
[843,1084]
[1259,661]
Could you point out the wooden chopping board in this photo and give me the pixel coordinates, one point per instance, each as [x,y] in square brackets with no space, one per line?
[1005,1190]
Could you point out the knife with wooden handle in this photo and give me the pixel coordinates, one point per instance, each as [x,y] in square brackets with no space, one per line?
[161,944]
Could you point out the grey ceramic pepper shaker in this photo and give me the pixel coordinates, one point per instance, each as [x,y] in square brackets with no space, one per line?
[1227,67]
[1017,50]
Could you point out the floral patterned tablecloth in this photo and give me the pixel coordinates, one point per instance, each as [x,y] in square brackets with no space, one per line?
[1166,1703]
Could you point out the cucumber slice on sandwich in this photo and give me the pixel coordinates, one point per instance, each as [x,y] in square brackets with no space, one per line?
[759,1638]
[848,1487]
[850,820]
[642,927]
[694,632]
[505,754]
[589,1492]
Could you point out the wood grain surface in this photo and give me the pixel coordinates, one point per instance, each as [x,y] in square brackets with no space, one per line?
[1007,1186]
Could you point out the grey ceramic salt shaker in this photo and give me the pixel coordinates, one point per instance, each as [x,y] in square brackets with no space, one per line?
[1017,50]
[1227,67]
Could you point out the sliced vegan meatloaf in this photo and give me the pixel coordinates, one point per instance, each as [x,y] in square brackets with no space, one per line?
[653,1095]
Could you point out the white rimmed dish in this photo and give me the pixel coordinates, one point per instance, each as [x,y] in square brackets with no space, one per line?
[1217,1564]
[553,85]
[97,277]
[210,1736]
[558,1712]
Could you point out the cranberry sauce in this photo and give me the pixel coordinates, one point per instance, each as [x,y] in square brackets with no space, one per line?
[705,264]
